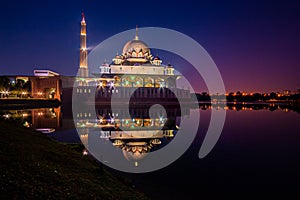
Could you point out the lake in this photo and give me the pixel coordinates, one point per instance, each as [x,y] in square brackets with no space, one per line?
[258,150]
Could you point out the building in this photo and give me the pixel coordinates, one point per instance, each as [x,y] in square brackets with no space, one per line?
[136,71]
[51,85]
[44,73]
[44,84]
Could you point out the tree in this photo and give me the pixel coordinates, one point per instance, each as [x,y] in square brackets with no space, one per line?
[4,81]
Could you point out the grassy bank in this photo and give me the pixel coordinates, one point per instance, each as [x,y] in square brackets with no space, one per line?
[34,166]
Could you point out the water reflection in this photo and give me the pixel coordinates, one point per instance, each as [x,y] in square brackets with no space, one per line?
[36,118]
[145,131]
[133,137]
[53,118]
[250,106]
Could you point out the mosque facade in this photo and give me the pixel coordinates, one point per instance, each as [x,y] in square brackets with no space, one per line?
[135,73]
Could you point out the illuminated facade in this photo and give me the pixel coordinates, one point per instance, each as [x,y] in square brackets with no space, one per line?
[46,84]
[136,71]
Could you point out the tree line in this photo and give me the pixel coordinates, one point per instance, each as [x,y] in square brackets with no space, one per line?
[15,88]
[253,97]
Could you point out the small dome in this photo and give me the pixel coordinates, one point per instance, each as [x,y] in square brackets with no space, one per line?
[118,57]
[169,66]
[156,58]
[105,64]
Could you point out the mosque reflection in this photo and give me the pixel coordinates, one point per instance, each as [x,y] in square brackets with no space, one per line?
[145,130]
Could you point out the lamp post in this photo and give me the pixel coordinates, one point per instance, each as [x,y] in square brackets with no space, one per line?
[4,93]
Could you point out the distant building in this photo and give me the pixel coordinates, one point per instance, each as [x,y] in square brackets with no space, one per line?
[287,92]
[50,85]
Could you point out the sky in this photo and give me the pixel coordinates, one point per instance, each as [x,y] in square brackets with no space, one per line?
[255,44]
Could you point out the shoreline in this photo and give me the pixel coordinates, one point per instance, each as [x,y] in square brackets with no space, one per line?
[6,104]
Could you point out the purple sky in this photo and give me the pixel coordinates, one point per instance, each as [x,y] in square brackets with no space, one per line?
[255,44]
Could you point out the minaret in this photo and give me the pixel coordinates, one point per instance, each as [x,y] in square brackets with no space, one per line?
[83,64]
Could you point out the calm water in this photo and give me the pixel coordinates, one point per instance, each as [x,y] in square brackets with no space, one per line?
[258,151]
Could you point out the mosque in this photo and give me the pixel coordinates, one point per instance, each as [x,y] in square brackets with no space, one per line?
[136,71]
[144,79]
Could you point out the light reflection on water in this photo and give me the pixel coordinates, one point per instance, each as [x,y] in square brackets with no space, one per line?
[143,134]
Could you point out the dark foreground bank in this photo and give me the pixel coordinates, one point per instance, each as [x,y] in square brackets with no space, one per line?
[34,166]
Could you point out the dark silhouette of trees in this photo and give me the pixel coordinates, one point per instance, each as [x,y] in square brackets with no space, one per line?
[256,97]
[18,88]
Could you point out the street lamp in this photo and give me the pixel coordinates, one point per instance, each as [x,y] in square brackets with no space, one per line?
[23,93]
[40,94]
[4,93]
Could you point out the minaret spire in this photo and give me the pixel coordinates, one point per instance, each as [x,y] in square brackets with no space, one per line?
[83,65]
[83,19]
[136,33]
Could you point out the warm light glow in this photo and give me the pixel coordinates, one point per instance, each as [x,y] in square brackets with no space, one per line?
[40,113]
[6,116]
[85,152]
[5,92]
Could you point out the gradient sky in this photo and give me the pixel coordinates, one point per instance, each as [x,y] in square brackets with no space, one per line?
[254,44]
